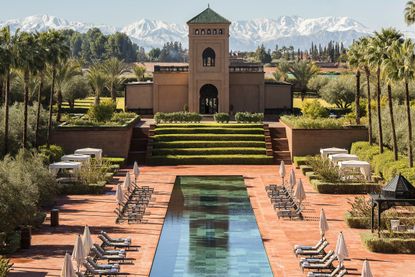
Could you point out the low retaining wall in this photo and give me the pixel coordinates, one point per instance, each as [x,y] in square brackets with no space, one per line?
[303,142]
[114,141]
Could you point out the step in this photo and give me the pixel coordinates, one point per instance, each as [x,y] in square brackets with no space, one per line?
[139,156]
[209,151]
[209,130]
[140,132]
[280,144]
[201,143]
[209,137]
[285,155]
[278,132]
[214,159]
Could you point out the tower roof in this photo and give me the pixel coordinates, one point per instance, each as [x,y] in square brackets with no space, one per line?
[208,16]
[399,187]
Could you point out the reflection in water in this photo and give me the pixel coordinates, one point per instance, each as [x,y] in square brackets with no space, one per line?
[210,230]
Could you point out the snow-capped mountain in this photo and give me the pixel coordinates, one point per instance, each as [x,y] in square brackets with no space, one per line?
[245,35]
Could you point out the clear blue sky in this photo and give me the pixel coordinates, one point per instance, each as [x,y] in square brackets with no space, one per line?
[372,13]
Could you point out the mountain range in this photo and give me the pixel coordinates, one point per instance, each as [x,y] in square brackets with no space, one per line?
[245,34]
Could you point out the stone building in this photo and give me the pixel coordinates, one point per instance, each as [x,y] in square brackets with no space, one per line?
[212,82]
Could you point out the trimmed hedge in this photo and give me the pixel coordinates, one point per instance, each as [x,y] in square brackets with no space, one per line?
[299,161]
[344,188]
[221,117]
[214,159]
[209,125]
[357,222]
[79,189]
[177,117]
[115,160]
[303,122]
[208,151]
[209,137]
[200,144]
[389,245]
[209,130]
[249,117]
[305,169]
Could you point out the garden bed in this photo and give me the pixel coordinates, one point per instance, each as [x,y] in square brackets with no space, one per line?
[388,245]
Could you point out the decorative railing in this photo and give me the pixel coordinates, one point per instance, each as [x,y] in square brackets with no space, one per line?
[159,68]
[246,68]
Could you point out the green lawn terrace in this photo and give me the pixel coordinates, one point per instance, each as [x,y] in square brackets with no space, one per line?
[209,143]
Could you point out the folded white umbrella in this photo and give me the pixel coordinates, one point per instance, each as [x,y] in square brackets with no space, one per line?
[78,254]
[67,268]
[324,226]
[341,248]
[136,170]
[119,195]
[292,178]
[300,192]
[282,172]
[127,181]
[366,272]
[87,241]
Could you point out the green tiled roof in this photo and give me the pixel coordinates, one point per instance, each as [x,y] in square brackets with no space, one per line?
[208,16]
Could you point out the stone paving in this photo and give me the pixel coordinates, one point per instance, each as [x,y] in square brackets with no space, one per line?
[50,244]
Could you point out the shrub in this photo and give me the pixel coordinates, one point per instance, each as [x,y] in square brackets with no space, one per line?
[344,188]
[357,222]
[315,110]
[52,154]
[123,117]
[299,161]
[94,172]
[5,266]
[339,91]
[177,117]
[243,117]
[360,207]
[325,169]
[102,112]
[9,242]
[221,117]
[302,122]
[82,189]
[389,245]
[75,88]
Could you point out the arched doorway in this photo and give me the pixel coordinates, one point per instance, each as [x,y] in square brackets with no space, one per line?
[208,99]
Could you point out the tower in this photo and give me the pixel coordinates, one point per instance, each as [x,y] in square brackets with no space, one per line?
[208,63]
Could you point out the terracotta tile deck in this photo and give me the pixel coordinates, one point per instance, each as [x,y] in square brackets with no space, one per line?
[279,236]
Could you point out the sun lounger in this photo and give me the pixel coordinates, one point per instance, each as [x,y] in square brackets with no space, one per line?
[127,245]
[95,265]
[336,272]
[126,240]
[109,252]
[100,272]
[317,260]
[327,265]
[99,256]
[306,247]
[311,253]
[290,213]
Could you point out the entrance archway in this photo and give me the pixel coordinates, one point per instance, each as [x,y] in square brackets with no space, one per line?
[208,99]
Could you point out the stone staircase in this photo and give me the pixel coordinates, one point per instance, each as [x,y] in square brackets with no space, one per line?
[138,145]
[279,143]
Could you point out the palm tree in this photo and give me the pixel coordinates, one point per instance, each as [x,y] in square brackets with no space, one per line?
[364,46]
[410,12]
[302,71]
[57,51]
[378,52]
[139,72]
[65,70]
[25,60]
[114,69]
[355,57]
[401,67]
[7,61]
[97,80]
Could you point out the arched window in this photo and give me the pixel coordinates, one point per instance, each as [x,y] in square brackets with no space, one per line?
[215,32]
[220,31]
[208,31]
[196,31]
[203,31]
[209,57]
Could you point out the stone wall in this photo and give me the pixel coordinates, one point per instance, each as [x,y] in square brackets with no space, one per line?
[246,92]
[114,141]
[304,142]
[278,96]
[139,96]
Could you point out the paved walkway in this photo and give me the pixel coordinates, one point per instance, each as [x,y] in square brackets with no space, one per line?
[279,236]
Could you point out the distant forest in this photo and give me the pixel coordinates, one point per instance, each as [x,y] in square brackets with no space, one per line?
[94,45]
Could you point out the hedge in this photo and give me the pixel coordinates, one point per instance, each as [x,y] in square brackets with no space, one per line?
[9,243]
[213,159]
[209,137]
[249,117]
[221,117]
[115,160]
[207,151]
[177,117]
[357,222]
[210,125]
[209,130]
[79,189]
[299,161]
[200,144]
[344,188]
[364,222]
[302,122]
[305,169]
[389,245]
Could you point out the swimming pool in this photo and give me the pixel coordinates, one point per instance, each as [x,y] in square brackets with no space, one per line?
[210,230]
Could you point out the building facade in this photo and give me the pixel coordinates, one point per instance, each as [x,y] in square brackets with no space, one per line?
[212,82]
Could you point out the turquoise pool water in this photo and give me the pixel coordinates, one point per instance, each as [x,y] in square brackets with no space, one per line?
[210,230]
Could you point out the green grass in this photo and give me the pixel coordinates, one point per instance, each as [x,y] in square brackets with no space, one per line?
[297,103]
[89,101]
[208,125]
[209,130]
[206,144]
[209,151]
[213,159]
[209,137]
